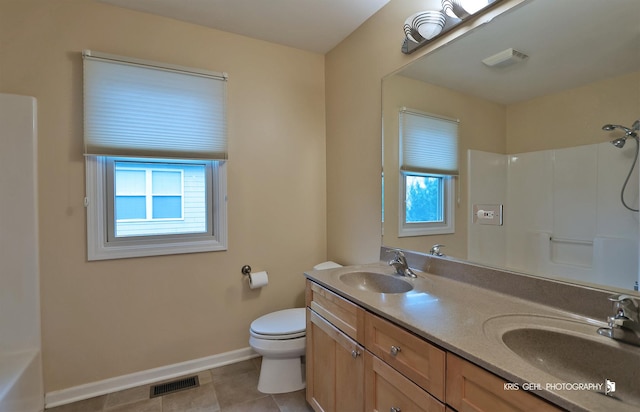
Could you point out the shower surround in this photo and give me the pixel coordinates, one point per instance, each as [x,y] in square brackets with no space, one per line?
[21,387]
[562,213]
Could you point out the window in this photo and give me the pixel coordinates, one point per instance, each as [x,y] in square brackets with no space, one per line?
[427,202]
[155,148]
[428,166]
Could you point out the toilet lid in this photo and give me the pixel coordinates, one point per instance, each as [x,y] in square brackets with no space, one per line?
[282,322]
[327,265]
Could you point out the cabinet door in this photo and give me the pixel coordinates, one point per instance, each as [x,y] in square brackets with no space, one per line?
[335,368]
[387,390]
[473,389]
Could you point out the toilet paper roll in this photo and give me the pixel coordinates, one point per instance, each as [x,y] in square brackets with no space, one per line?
[258,280]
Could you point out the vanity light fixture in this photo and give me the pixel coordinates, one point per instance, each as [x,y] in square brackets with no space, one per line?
[463,8]
[505,58]
[424,26]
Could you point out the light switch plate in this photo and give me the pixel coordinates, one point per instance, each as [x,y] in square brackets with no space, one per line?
[487,214]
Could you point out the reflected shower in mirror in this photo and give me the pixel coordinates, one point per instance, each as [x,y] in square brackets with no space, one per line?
[619,143]
[539,185]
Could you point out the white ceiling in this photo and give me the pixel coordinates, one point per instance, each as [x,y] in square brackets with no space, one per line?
[313,25]
[570,43]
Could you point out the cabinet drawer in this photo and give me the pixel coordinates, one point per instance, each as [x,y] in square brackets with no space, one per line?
[414,357]
[387,390]
[471,388]
[344,315]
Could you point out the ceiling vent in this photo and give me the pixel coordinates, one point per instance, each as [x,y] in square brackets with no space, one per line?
[505,58]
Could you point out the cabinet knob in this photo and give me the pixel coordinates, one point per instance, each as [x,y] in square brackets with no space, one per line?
[394,409]
[355,353]
[394,352]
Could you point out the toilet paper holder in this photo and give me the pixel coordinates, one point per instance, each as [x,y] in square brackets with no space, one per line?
[246,270]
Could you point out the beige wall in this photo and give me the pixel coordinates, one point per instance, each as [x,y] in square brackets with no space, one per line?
[573,117]
[482,127]
[109,318]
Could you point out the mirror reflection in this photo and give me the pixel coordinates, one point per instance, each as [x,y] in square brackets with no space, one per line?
[538,184]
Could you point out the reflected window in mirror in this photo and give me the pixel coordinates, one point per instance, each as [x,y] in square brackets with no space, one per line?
[427,202]
[428,166]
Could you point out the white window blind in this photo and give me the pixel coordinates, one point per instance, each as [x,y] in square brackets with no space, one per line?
[428,144]
[139,108]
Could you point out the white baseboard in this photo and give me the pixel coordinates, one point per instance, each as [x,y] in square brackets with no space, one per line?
[118,383]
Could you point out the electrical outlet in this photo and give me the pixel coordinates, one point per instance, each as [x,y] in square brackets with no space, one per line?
[487,214]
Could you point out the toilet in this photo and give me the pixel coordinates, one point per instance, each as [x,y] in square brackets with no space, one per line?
[280,337]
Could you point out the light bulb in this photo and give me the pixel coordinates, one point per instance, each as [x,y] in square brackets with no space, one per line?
[472,6]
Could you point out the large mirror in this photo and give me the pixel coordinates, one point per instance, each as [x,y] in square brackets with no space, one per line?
[538,186]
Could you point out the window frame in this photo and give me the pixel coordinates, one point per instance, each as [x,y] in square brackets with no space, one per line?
[447,226]
[101,247]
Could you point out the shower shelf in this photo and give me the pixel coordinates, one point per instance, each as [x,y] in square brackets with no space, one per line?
[568,240]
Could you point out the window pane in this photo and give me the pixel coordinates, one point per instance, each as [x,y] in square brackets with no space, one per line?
[167,207]
[424,199]
[175,190]
[130,182]
[131,207]
[166,182]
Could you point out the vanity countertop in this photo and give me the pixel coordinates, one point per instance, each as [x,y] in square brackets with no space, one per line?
[465,319]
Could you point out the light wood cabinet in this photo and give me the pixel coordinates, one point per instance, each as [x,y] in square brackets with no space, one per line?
[358,361]
[335,368]
[388,390]
[473,389]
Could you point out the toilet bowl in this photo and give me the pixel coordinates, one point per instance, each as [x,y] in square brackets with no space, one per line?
[280,337]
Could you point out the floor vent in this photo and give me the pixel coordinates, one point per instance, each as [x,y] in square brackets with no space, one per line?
[174,386]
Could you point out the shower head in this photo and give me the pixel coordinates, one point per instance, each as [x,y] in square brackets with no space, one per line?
[619,143]
[610,127]
[627,131]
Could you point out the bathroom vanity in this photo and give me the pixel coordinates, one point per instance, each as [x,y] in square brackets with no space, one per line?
[448,345]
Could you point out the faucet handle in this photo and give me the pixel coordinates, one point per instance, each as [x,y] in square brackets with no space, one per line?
[625,306]
[398,252]
[621,298]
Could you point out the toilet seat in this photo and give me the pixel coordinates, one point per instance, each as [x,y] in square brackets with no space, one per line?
[280,325]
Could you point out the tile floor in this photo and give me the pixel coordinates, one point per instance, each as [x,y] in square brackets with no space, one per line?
[231,388]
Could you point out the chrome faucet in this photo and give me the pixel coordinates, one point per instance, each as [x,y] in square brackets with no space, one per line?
[435,250]
[399,262]
[625,324]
